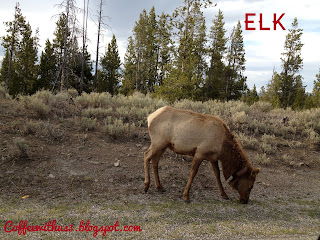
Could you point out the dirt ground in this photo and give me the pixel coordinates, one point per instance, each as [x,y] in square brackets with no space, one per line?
[92,168]
[110,169]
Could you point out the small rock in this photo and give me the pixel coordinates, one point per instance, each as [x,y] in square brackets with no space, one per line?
[51,176]
[117,163]
[111,180]
[138,145]
[9,171]
[301,164]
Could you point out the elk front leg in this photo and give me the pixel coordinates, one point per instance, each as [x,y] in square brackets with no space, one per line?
[215,168]
[193,171]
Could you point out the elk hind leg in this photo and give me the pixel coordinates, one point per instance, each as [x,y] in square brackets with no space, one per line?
[153,156]
[147,159]
[155,161]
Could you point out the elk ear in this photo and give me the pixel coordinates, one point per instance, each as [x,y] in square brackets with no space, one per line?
[255,172]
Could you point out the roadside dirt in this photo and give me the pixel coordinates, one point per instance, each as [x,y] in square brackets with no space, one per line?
[95,167]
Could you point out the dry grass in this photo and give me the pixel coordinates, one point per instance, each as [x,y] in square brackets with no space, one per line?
[259,127]
[171,219]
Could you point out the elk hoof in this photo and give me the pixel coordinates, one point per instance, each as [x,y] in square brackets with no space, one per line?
[187,201]
[146,187]
[225,196]
[161,189]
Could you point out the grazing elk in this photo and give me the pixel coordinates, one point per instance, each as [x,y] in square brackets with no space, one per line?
[205,138]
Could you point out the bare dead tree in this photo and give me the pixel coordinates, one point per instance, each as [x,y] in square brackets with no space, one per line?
[84,40]
[70,32]
[101,24]
[98,41]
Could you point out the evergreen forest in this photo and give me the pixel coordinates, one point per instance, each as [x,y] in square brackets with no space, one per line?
[171,56]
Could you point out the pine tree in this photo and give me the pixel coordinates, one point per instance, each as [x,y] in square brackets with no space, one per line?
[263,94]
[61,45]
[252,96]
[144,53]
[216,75]
[21,56]
[292,63]
[316,91]
[27,68]
[200,53]
[47,67]
[151,51]
[273,90]
[130,67]
[186,77]
[66,33]
[145,34]
[109,77]
[165,48]
[235,84]
[140,42]
[80,61]
[10,43]
[4,68]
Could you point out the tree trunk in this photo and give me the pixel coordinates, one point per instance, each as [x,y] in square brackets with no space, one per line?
[84,41]
[97,56]
[138,71]
[8,78]
[185,37]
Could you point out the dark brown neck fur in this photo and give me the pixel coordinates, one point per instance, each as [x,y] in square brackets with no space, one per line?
[232,156]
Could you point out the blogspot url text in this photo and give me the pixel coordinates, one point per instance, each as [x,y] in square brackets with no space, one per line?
[51,226]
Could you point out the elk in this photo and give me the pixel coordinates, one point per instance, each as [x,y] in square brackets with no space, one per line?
[204,137]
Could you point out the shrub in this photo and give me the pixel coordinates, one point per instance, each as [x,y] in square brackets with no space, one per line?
[41,109]
[248,141]
[262,159]
[98,113]
[239,117]
[261,106]
[45,96]
[21,147]
[285,158]
[118,128]
[73,92]
[195,106]
[44,130]
[3,93]
[88,124]
[31,128]
[94,100]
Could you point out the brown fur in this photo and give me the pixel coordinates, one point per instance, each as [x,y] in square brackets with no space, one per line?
[205,138]
[232,156]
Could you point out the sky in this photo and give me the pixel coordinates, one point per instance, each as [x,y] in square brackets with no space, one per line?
[263,48]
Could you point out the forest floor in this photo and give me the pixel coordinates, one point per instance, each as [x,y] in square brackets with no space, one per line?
[92,177]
